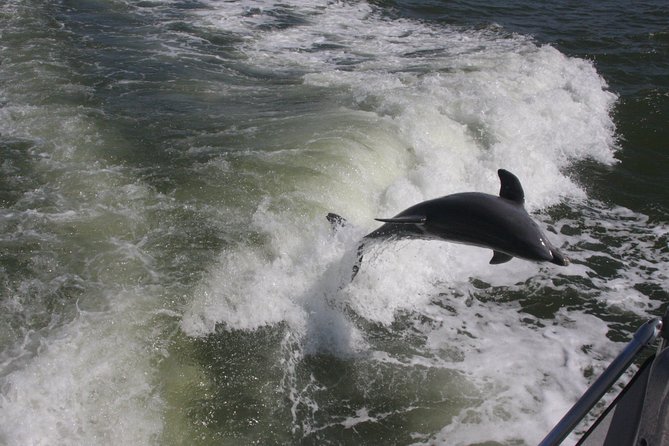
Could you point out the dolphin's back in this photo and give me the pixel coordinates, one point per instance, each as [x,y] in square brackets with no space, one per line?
[489,221]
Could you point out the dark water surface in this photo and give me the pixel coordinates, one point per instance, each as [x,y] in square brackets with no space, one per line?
[629,46]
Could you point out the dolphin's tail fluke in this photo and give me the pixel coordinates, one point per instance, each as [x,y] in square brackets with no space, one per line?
[336,221]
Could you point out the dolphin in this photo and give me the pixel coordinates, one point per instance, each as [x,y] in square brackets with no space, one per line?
[500,223]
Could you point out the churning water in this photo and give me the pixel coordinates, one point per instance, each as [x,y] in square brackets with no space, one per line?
[167,274]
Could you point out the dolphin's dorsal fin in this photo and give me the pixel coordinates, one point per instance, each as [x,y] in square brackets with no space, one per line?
[405,219]
[510,187]
[499,257]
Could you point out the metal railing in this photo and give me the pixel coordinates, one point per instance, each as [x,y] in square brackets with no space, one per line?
[644,336]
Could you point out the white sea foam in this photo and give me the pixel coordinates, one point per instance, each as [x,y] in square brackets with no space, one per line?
[518,362]
[87,385]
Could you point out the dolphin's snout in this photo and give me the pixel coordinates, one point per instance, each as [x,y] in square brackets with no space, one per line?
[559,258]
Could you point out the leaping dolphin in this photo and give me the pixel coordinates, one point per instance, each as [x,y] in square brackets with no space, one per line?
[500,223]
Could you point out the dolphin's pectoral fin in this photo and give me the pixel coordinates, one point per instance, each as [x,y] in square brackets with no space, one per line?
[499,257]
[510,187]
[405,220]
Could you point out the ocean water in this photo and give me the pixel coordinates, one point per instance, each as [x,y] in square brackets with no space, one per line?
[167,274]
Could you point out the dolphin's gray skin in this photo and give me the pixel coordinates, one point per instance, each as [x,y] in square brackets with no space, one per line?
[473,218]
